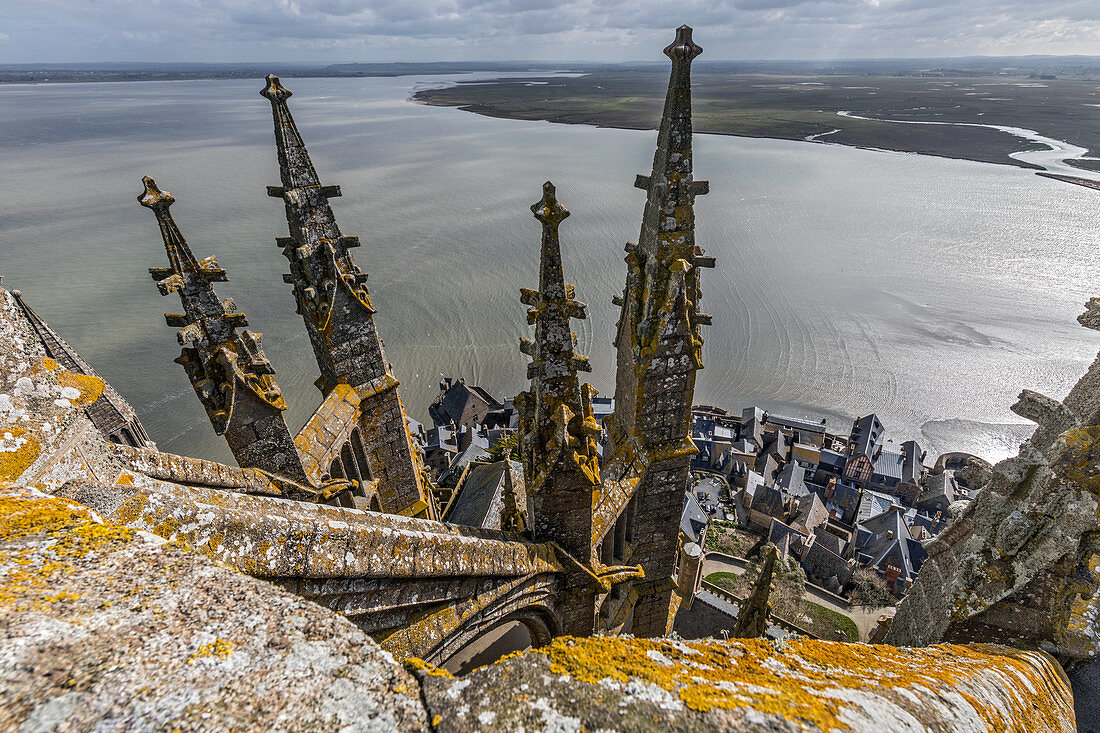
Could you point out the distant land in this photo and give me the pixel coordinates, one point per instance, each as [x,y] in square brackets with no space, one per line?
[136,71]
[1058,97]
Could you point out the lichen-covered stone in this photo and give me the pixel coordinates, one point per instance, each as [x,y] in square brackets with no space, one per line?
[751,685]
[107,626]
[1021,563]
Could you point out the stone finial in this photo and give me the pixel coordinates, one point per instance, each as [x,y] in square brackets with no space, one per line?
[153,197]
[683,48]
[274,90]
[548,210]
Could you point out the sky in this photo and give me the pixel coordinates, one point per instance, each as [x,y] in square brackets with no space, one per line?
[332,31]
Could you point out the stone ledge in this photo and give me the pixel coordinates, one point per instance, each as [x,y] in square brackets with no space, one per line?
[107,626]
[750,685]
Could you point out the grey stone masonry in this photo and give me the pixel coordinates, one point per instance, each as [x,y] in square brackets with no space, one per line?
[331,295]
[111,413]
[660,345]
[231,376]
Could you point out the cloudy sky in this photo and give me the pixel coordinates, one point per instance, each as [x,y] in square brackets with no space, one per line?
[33,31]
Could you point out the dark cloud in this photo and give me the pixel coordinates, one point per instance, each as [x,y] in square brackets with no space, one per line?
[405,30]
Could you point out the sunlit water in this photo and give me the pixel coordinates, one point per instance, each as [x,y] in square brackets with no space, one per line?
[926,289]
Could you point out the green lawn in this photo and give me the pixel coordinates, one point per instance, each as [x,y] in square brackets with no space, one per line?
[828,624]
[824,622]
[731,538]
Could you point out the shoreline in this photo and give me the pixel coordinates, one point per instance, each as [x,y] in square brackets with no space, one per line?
[488,111]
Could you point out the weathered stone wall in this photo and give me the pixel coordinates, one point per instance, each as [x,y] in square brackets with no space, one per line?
[748,685]
[106,626]
[1021,564]
[109,628]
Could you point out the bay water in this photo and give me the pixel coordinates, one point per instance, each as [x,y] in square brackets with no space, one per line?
[928,290]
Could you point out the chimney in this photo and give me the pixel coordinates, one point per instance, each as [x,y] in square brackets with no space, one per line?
[465,437]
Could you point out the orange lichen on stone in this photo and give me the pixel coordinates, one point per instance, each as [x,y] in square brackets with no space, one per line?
[90,388]
[416,664]
[18,450]
[219,648]
[31,576]
[72,527]
[815,683]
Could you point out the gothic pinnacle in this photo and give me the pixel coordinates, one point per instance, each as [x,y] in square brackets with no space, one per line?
[555,402]
[226,366]
[330,294]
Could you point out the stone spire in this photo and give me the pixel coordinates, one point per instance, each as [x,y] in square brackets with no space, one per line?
[664,262]
[224,362]
[557,431]
[752,616]
[332,298]
[659,345]
[111,413]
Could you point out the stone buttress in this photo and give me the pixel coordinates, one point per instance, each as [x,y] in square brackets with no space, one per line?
[332,298]
[1021,563]
[231,376]
[111,413]
[660,349]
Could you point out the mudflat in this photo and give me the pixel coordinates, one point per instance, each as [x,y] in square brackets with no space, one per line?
[800,107]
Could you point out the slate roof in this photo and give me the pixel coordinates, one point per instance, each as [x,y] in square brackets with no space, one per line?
[766,465]
[462,404]
[744,446]
[786,538]
[939,491]
[693,520]
[846,499]
[828,540]
[873,504]
[885,540]
[913,466]
[867,434]
[797,423]
[832,459]
[768,500]
[753,482]
[792,480]
[930,524]
[888,467]
[480,497]
[811,511]
[752,425]
[821,561]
